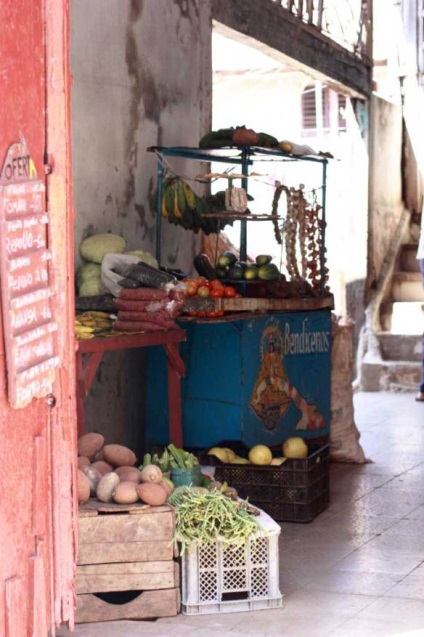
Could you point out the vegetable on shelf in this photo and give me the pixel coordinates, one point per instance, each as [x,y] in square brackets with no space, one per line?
[205,516]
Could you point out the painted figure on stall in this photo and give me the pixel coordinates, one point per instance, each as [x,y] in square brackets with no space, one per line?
[420,256]
[273,393]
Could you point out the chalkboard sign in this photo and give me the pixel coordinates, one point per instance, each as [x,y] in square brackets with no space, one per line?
[26,280]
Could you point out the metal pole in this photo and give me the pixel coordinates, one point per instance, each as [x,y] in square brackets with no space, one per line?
[243,224]
[160,172]
[323,203]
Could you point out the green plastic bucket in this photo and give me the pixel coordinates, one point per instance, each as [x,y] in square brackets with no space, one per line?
[186,477]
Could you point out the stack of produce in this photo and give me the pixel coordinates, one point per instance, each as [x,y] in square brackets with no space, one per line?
[108,473]
[92,251]
[92,323]
[147,309]
[182,207]
[237,136]
[293,447]
[229,267]
[206,516]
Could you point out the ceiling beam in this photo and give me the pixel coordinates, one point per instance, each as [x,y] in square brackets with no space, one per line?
[273,30]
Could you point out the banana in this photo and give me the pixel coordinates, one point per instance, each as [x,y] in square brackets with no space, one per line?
[182,204]
[169,194]
[190,196]
[101,323]
[99,314]
[88,322]
[84,329]
[200,205]
[163,209]
[84,336]
[177,211]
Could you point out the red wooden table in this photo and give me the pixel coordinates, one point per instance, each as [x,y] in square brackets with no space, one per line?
[89,356]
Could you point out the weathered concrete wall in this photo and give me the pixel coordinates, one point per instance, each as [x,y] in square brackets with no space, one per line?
[385,191]
[141,77]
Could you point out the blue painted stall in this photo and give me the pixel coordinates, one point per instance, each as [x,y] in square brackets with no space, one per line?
[256,380]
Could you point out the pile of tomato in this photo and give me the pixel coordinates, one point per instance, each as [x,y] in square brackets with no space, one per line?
[214,289]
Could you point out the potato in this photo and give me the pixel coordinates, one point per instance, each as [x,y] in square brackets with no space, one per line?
[83,486]
[106,486]
[102,466]
[167,485]
[125,492]
[151,473]
[83,461]
[93,476]
[131,474]
[89,444]
[152,493]
[119,456]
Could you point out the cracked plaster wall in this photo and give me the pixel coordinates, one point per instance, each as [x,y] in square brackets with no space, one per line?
[141,76]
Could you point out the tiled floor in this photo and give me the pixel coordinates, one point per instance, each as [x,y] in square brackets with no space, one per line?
[357,570]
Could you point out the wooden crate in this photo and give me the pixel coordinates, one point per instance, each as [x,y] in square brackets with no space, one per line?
[125,565]
[148,605]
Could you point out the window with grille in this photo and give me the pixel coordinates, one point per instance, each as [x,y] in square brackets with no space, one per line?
[323,110]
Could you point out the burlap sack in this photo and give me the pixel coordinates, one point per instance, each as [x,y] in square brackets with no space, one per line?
[344,435]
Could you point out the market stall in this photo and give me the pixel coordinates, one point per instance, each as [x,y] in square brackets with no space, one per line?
[242,369]
[258,360]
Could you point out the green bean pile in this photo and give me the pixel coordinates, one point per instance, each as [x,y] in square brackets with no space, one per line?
[208,516]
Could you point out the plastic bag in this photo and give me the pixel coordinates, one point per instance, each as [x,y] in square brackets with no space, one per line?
[109,279]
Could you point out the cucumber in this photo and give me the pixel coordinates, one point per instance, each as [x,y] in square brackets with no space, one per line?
[269,272]
[226,259]
[236,271]
[251,272]
[263,259]
[221,273]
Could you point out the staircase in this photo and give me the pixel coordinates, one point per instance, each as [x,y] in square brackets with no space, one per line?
[400,345]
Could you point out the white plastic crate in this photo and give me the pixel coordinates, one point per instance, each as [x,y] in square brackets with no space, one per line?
[222,578]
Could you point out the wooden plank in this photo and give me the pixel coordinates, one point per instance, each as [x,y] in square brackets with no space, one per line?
[109,552]
[94,505]
[148,605]
[132,576]
[155,526]
[112,507]
[251,304]
[87,513]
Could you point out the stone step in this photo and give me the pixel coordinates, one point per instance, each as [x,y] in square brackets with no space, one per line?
[407,286]
[407,318]
[408,258]
[379,375]
[400,347]
[400,376]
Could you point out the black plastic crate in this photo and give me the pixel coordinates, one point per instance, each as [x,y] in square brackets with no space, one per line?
[296,491]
